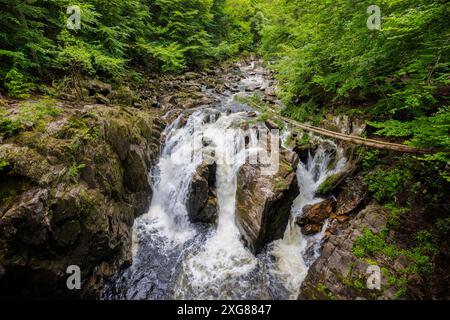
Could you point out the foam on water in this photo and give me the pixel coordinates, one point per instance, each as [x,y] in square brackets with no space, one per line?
[173,258]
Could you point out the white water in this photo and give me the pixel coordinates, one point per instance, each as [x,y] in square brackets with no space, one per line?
[216,267]
[176,259]
[296,252]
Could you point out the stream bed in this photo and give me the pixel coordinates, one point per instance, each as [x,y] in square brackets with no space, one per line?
[175,259]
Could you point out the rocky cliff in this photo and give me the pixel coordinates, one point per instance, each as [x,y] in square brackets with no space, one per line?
[263,202]
[72,183]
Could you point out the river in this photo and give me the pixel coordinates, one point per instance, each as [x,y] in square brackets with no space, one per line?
[175,259]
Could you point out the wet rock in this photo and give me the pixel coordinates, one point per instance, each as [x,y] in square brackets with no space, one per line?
[317,213]
[263,201]
[134,165]
[202,203]
[271,125]
[101,99]
[304,150]
[310,229]
[334,181]
[98,87]
[353,193]
[58,219]
[156,104]
[314,216]
[336,271]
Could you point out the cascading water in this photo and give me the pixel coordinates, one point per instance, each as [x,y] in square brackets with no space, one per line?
[174,259]
[296,252]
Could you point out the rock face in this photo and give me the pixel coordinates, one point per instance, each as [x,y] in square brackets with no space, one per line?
[334,273]
[352,194]
[263,202]
[314,216]
[202,201]
[72,192]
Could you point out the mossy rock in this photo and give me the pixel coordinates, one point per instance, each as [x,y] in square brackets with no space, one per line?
[333,182]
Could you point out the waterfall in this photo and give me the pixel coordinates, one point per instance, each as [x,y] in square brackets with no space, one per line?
[175,259]
[216,270]
[296,252]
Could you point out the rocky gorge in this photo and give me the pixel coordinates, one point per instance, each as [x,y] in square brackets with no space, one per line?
[115,186]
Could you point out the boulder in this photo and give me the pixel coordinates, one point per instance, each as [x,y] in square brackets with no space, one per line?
[271,125]
[335,180]
[27,221]
[314,216]
[334,274]
[202,203]
[352,195]
[124,96]
[98,87]
[263,202]
[191,75]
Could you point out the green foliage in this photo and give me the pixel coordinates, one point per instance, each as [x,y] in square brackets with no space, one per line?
[370,159]
[395,214]
[425,243]
[326,58]
[384,184]
[443,226]
[370,244]
[17,84]
[163,35]
[75,168]
[324,51]
[4,164]
[425,132]
[29,115]
[400,293]
[281,185]
[376,245]
[171,57]
[328,185]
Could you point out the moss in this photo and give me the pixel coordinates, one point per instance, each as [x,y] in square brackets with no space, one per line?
[375,245]
[401,293]
[74,169]
[358,284]
[395,214]
[30,115]
[281,185]
[329,184]
[4,165]
[301,140]
[90,202]
[324,292]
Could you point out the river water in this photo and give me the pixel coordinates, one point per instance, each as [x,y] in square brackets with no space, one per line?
[175,259]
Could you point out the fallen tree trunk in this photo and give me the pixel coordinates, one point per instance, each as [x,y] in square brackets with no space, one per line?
[355,139]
